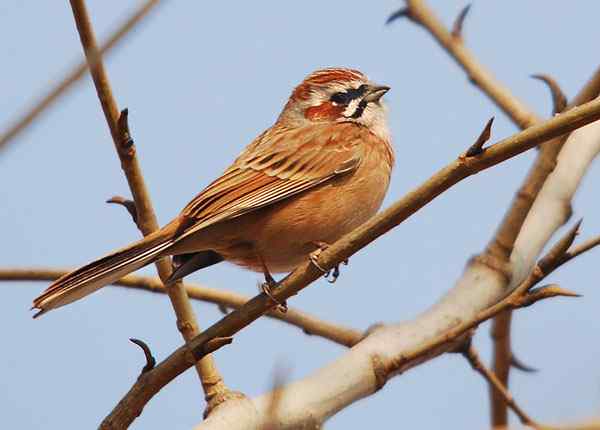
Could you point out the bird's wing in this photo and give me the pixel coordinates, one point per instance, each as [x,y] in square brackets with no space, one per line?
[276,166]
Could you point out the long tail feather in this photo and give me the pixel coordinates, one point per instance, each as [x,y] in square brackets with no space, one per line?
[93,276]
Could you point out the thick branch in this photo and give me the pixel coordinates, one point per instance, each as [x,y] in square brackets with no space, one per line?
[75,75]
[447,341]
[498,251]
[213,385]
[226,299]
[463,167]
[501,245]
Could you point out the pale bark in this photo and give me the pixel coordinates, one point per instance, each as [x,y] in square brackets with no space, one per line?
[361,371]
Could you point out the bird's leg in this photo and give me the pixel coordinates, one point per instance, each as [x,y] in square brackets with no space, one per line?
[330,275]
[270,284]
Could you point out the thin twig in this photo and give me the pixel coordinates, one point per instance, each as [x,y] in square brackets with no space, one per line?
[212,382]
[500,247]
[420,13]
[477,364]
[144,389]
[307,323]
[75,75]
[522,296]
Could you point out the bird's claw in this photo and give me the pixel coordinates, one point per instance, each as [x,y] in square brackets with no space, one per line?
[331,275]
[267,288]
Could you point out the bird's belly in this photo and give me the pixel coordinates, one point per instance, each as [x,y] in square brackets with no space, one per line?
[284,234]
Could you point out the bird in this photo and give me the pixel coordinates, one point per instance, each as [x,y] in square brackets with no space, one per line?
[321,170]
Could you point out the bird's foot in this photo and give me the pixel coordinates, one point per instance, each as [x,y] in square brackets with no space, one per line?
[331,275]
[267,287]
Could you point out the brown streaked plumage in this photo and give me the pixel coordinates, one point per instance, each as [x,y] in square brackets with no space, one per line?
[320,171]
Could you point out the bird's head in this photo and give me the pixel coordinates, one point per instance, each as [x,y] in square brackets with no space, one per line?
[337,95]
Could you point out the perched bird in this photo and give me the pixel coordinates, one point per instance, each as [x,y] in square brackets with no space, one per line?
[319,172]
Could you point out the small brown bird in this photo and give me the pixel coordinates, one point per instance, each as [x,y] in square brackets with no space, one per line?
[319,172]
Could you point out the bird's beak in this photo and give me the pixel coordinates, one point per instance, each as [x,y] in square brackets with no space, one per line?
[375,92]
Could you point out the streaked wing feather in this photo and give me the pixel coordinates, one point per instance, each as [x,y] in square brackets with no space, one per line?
[276,166]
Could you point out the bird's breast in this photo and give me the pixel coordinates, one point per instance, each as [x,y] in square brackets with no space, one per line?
[284,234]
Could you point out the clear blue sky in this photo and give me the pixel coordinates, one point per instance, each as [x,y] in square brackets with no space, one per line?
[201,80]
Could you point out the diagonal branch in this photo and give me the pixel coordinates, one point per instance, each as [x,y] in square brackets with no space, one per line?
[225,299]
[212,383]
[75,75]
[418,12]
[446,341]
[500,247]
[472,356]
[152,382]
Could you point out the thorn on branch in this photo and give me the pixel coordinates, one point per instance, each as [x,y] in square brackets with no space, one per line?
[559,100]
[457,28]
[554,256]
[404,12]
[127,204]
[519,365]
[126,141]
[150,360]
[477,147]
[544,292]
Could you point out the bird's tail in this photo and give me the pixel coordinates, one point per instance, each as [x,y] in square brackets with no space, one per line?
[93,276]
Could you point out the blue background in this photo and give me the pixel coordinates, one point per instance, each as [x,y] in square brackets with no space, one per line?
[201,80]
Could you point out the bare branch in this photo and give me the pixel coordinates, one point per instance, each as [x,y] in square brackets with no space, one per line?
[212,382]
[477,364]
[475,295]
[75,75]
[558,250]
[225,299]
[125,414]
[420,13]
[142,391]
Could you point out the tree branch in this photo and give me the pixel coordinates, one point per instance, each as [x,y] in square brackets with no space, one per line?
[501,245]
[226,299]
[499,249]
[384,366]
[420,13]
[212,383]
[151,382]
[470,353]
[75,75]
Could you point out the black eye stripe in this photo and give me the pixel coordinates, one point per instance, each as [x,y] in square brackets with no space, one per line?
[359,110]
[344,98]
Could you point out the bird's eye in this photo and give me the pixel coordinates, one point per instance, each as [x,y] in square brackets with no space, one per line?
[344,98]
[340,98]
